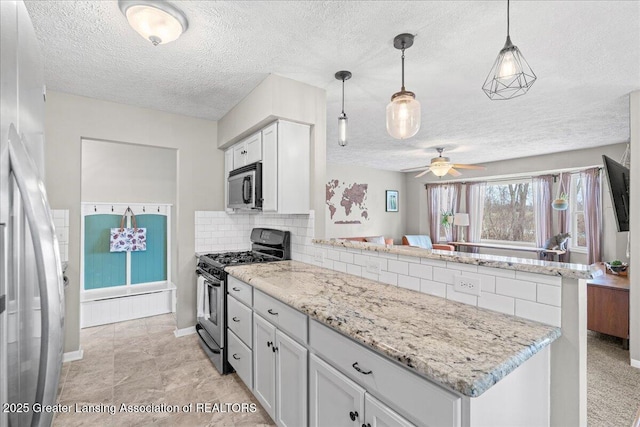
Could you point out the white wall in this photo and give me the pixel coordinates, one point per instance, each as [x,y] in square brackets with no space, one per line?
[613,243]
[634,303]
[379,222]
[121,172]
[200,164]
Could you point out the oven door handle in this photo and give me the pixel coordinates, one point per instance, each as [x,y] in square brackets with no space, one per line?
[198,329]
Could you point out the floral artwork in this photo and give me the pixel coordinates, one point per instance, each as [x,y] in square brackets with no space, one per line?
[128,240]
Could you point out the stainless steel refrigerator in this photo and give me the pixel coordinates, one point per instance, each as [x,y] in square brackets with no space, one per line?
[31,287]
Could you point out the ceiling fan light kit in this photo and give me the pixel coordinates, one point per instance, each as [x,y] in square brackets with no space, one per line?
[342,118]
[158,21]
[511,76]
[440,166]
[403,112]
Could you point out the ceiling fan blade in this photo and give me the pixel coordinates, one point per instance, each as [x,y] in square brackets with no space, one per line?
[469,167]
[454,172]
[423,173]
[414,169]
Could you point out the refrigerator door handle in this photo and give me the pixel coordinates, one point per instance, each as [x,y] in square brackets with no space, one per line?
[49,267]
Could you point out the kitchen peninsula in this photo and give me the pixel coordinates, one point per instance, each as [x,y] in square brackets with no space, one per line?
[422,358]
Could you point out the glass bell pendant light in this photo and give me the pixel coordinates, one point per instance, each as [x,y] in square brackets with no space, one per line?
[403,112]
[342,118]
[511,76]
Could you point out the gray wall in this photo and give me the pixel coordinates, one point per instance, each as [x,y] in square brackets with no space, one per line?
[380,222]
[200,164]
[614,243]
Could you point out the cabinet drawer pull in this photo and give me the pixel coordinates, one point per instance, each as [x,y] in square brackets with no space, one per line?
[359,369]
[269,343]
[236,289]
[274,348]
[270,311]
[366,425]
[235,319]
[353,415]
[235,356]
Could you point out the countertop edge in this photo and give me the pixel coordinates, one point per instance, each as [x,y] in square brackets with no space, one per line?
[495,261]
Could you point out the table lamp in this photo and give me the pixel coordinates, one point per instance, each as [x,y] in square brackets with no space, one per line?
[461,220]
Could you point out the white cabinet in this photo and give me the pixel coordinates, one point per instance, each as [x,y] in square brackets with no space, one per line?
[247,151]
[334,400]
[280,374]
[286,169]
[377,414]
[264,357]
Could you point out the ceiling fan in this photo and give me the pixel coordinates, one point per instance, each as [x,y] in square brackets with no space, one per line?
[440,166]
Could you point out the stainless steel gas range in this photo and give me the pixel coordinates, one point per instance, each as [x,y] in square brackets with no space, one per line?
[266,245]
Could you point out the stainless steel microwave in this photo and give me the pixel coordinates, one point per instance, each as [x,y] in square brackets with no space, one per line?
[245,187]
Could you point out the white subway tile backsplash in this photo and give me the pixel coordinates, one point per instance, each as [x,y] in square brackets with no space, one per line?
[433,262]
[539,312]
[539,278]
[346,257]
[498,272]
[356,270]
[388,278]
[421,271]
[333,254]
[444,275]
[433,288]
[498,303]
[400,267]
[462,267]
[549,294]
[408,282]
[461,297]
[340,266]
[516,288]
[360,259]
[370,276]
[410,259]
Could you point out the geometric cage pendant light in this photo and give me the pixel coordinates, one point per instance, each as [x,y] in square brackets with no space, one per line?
[342,118]
[511,76]
[157,21]
[403,112]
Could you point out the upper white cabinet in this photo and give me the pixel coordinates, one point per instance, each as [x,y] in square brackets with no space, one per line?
[247,151]
[284,148]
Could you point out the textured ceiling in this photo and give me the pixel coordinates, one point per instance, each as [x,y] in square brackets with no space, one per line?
[586,55]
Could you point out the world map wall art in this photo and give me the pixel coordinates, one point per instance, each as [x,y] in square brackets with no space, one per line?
[347,202]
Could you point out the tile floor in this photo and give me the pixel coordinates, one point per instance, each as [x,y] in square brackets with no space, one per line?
[141,362]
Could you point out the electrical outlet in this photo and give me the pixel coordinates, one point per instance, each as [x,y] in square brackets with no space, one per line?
[319,256]
[468,285]
[373,267]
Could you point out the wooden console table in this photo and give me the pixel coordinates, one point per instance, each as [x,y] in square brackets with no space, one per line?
[542,251]
[608,305]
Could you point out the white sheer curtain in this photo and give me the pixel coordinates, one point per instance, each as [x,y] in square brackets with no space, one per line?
[592,212]
[475,208]
[433,201]
[564,217]
[454,191]
[542,208]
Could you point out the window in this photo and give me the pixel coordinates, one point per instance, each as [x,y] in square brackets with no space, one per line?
[445,203]
[578,241]
[508,212]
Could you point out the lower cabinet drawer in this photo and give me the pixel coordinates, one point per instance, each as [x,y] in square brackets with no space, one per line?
[239,320]
[240,290]
[419,400]
[284,317]
[239,356]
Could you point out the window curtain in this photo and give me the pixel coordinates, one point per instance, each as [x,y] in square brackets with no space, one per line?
[454,191]
[475,208]
[433,202]
[564,217]
[592,212]
[542,208]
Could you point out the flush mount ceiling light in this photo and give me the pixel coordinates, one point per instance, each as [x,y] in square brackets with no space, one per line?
[403,112]
[511,75]
[155,20]
[342,118]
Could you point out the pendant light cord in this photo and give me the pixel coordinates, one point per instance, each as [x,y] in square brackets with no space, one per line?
[343,95]
[507,18]
[402,66]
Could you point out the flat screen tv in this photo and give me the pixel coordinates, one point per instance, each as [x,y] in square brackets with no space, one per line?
[618,176]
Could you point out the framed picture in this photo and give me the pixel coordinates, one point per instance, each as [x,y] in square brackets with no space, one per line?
[392,200]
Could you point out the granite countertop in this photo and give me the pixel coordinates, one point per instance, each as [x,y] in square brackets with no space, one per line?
[550,268]
[465,348]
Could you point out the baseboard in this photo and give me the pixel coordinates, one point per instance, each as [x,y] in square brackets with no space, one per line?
[635,363]
[184,331]
[73,355]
